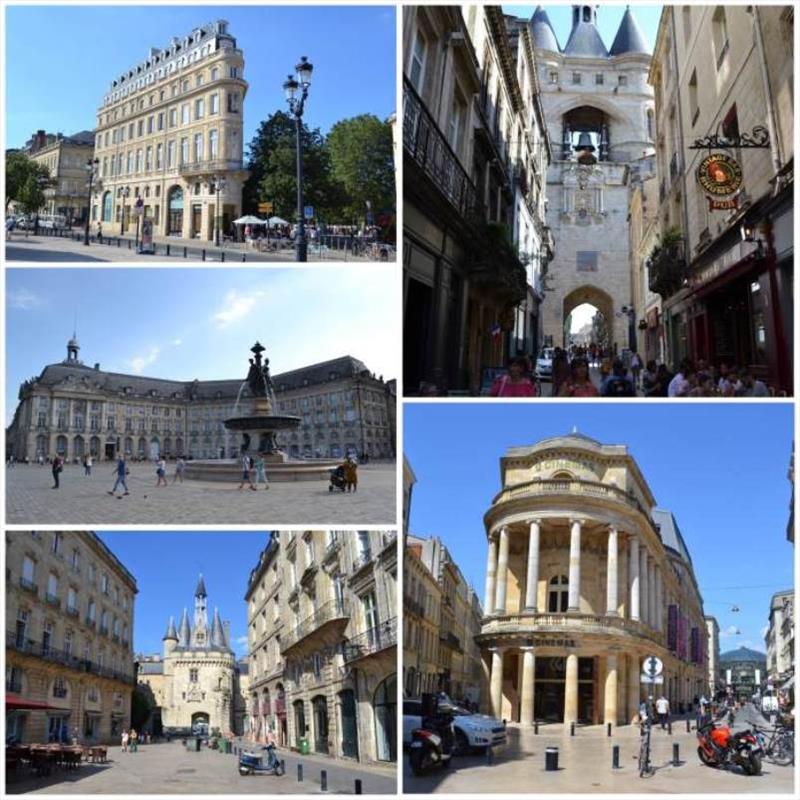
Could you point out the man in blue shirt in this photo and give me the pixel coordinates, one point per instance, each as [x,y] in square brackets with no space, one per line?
[120,473]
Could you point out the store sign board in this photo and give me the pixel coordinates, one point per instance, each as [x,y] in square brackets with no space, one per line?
[720,176]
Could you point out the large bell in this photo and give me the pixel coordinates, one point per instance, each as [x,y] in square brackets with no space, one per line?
[585,143]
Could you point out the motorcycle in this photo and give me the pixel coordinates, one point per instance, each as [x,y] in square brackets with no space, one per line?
[432,744]
[251,763]
[719,746]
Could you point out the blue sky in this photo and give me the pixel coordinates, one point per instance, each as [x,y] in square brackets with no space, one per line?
[352,50]
[608,19]
[167,581]
[721,469]
[198,323]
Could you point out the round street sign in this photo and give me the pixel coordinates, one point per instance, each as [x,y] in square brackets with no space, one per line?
[720,175]
[652,666]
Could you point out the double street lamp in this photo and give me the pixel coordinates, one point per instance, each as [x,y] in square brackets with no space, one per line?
[124,192]
[296,90]
[91,167]
[219,187]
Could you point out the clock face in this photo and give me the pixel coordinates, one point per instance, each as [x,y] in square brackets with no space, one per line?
[720,175]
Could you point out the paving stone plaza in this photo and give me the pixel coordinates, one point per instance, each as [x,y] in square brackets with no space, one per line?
[82,500]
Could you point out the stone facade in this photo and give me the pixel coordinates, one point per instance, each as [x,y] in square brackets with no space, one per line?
[196,683]
[73,409]
[585,578]
[69,627]
[714,681]
[780,638]
[744,672]
[602,96]
[322,642]
[168,130]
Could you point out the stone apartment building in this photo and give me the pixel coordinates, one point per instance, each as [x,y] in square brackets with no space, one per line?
[780,640]
[322,630]
[69,647]
[714,678]
[73,409]
[66,158]
[169,137]
[723,83]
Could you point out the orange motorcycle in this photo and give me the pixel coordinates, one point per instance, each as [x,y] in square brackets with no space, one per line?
[719,746]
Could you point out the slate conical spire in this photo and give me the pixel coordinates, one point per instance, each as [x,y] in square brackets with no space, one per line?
[544,37]
[584,39]
[629,38]
[185,633]
[200,591]
[171,632]
[217,631]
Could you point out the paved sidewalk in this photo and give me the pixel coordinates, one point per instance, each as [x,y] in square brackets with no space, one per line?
[85,500]
[168,768]
[585,766]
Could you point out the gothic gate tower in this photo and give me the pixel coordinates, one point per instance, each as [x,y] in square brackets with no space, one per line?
[599,111]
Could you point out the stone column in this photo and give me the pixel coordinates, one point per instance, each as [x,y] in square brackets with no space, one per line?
[502,573]
[610,699]
[528,673]
[571,689]
[633,572]
[659,601]
[644,592]
[612,578]
[532,581]
[633,686]
[496,682]
[575,566]
[491,574]
[651,588]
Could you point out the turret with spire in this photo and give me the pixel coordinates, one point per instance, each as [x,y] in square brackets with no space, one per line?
[629,38]
[170,638]
[584,38]
[198,635]
[184,632]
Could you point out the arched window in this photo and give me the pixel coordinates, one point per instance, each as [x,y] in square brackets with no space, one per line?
[558,594]
[650,124]
[108,202]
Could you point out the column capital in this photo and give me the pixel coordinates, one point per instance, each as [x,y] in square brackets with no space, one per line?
[528,648]
[579,520]
[498,649]
[534,521]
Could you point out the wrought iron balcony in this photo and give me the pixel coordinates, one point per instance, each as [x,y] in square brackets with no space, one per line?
[371,641]
[428,148]
[449,639]
[413,606]
[332,549]
[210,167]
[328,612]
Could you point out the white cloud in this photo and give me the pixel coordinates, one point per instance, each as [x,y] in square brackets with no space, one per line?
[23,299]
[241,640]
[728,632]
[236,307]
[177,342]
[138,363]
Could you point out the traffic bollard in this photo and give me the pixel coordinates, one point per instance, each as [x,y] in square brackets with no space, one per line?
[129,244]
[283,766]
[203,256]
[608,729]
[676,755]
[167,253]
[222,255]
[669,728]
[358,785]
[300,773]
[242,258]
[536,727]
[572,729]
[615,757]
[551,759]
[688,726]
[119,242]
[323,780]
[185,251]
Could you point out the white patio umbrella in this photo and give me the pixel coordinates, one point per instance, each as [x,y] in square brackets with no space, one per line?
[249,220]
[277,221]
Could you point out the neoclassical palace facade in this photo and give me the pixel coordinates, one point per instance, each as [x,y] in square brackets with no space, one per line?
[585,579]
[73,409]
[169,133]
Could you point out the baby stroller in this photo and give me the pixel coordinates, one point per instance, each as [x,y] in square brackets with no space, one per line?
[337,479]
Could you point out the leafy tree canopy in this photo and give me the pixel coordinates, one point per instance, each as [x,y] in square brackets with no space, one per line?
[24,182]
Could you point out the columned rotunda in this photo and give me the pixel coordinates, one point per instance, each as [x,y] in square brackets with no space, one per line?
[585,577]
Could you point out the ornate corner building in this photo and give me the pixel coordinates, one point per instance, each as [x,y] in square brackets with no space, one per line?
[169,136]
[69,628]
[585,578]
[322,636]
[195,685]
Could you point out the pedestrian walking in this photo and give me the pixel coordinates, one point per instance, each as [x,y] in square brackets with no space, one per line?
[180,466]
[662,709]
[261,471]
[58,466]
[125,739]
[247,469]
[99,230]
[515,383]
[121,471]
[87,465]
[161,472]
[134,737]
[579,384]
[636,368]
[350,474]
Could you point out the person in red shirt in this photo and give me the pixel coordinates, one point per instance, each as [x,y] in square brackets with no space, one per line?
[579,384]
[515,383]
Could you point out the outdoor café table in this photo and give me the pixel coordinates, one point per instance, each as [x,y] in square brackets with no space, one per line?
[98,754]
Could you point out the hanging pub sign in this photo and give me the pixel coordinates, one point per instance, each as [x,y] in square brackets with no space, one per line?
[720,175]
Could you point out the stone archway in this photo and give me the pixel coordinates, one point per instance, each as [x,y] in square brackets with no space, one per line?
[588,295]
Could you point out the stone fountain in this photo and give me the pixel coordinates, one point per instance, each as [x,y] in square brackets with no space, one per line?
[257,432]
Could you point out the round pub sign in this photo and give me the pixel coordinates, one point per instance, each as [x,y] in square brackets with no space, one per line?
[720,175]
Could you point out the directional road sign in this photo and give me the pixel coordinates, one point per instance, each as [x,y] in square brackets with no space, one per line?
[652,666]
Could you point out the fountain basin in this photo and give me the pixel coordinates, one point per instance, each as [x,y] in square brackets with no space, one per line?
[264,422]
[277,469]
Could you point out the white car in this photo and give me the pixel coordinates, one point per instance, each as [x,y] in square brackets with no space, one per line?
[544,364]
[471,730]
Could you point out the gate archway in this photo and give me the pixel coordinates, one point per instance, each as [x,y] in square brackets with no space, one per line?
[588,296]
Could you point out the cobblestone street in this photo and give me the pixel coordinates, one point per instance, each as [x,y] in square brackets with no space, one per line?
[168,768]
[85,501]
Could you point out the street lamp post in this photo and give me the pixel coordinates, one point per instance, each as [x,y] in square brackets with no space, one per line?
[297,103]
[124,193]
[91,165]
[219,186]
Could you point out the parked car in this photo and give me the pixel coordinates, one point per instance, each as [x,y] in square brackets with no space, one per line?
[471,730]
[544,364]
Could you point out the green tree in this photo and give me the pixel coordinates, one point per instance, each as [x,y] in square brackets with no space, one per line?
[362,161]
[141,708]
[23,177]
[272,161]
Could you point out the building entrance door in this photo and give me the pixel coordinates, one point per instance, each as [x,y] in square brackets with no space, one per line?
[299,722]
[550,689]
[197,217]
[320,705]
[110,450]
[347,706]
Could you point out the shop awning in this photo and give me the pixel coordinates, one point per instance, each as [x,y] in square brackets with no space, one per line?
[16,703]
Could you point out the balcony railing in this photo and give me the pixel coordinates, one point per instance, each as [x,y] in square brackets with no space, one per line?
[332,549]
[362,561]
[372,641]
[52,600]
[71,611]
[449,639]
[47,652]
[211,167]
[413,606]
[427,146]
[332,610]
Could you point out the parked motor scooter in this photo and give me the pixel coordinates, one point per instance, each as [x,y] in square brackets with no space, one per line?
[719,746]
[251,763]
[433,743]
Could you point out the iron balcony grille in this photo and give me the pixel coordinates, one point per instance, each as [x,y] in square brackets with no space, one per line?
[209,167]
[372,641]
[427,146]
[333,609]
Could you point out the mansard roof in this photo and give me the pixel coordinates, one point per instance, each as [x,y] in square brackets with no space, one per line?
[629,38]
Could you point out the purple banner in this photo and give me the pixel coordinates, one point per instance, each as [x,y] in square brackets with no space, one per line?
[695,646]
[672,628]
[682,625]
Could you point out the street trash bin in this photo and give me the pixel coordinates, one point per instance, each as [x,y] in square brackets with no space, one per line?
[551,759]
[304,746]
[197,742]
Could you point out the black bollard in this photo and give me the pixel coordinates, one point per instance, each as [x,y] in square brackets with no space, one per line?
[119,242]
[184,252]
[688,726]
[300,773]
[676,756]
[536,727]
[283,766]
[323,780]
[669,728]
[167,250]
[572,729]
[203,256]
[551,759]
[129,244]
[608,729]
[222,255]
[615,757]
[242,258]
[358,785]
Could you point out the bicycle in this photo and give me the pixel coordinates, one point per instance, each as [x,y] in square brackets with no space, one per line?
[646,768]
[778,747]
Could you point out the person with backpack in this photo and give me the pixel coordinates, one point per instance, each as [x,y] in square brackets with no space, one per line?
[618,384]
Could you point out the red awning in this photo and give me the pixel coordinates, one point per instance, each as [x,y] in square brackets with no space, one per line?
[14,702]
